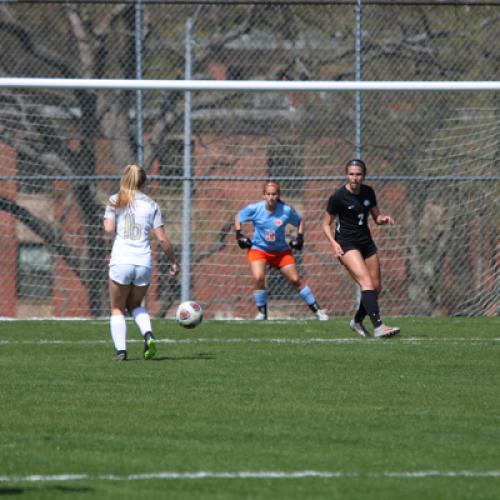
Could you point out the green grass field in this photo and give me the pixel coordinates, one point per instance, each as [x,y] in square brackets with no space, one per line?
[256,410]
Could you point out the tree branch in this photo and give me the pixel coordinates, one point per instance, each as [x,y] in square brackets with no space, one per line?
[9,24]
[53,237]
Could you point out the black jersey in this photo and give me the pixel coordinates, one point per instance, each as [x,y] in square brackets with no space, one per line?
[351,211]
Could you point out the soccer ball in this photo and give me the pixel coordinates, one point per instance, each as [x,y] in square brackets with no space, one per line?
[189,314]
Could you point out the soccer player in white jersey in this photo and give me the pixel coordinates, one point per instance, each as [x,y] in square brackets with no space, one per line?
[131,216]
[350,206]
[269,246]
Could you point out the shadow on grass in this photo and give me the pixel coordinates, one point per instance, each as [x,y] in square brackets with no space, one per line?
[202,356]
[57,487]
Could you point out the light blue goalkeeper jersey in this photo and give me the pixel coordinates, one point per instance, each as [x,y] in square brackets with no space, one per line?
[269,227]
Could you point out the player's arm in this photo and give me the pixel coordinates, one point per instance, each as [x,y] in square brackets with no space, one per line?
[327,231]
[237,223]
[241,239]
[167,247]
[298,242]
[109,226]
[110,218]
[380,220]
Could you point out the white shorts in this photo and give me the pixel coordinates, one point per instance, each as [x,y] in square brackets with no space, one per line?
[126,274]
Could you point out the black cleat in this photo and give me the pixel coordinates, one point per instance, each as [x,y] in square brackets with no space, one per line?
[120,356]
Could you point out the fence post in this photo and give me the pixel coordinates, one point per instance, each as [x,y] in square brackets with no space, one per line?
[357,50]
[138,93]
[187,182]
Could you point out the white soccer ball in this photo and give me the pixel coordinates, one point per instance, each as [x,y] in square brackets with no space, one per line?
[189,314]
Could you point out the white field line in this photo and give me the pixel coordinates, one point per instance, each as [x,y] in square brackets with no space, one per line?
[202,340]
[250,475]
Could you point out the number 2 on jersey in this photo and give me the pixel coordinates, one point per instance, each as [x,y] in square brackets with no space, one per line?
[361,219]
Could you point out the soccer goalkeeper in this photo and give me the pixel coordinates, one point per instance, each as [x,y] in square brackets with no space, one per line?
[269,246]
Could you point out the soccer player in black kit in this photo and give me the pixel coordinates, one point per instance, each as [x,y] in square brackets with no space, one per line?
[352,243]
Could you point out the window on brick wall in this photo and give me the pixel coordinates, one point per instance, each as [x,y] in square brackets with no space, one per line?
[34,271]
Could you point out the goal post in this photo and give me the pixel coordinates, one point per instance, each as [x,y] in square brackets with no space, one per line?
[249,85]
[432,150]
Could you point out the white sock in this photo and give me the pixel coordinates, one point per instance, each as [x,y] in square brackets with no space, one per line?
[118,331]
[142,320]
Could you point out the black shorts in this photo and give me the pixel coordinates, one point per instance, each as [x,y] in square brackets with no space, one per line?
[367,248]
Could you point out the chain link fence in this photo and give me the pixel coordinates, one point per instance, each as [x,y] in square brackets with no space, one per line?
[433,158]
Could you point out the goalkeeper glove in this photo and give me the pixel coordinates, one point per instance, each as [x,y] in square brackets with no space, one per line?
[242,240]
[297,243]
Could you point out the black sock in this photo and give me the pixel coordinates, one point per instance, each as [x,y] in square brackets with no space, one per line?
[370,303]
[148,335]
[314,307]
[263,310]
[360,313]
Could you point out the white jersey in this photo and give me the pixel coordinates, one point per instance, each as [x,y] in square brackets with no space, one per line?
[133,223]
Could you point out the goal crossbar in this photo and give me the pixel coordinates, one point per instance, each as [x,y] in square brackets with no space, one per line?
[248,85]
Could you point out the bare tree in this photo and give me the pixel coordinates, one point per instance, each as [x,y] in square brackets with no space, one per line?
[94,41]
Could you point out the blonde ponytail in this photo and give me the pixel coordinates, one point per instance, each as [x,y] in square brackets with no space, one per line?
[132,180]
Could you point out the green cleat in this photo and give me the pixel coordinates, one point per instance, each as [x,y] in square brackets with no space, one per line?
[149,346]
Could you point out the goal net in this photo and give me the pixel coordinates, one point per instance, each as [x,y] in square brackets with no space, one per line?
[432,159]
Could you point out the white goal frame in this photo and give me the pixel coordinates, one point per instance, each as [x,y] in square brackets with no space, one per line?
[249,85]
[189,85]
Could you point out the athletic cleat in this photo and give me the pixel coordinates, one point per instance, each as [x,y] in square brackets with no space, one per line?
[149,346]
[359,328]
[120,356]
[384,331]
[321,315]
[260,316]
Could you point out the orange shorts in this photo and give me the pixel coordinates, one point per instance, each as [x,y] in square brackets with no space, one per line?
[278,260]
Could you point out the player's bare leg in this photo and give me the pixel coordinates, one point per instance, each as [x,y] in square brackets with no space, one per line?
[356,266]
[291,274]
[367,275]
[118,296]
[373,265]
[353,261]
[258,270]
[136,296]
[142,319]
